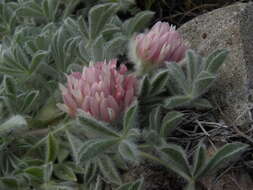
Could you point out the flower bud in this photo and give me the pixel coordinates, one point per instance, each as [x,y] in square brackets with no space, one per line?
[161,43]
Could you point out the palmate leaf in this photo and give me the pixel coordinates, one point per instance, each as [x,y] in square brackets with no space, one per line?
[11,72]
[52,148]
[97,185]
[115,47]
[202,104]
[155,119]
[8,18]
[178,78]
[170,122]
[84,53]
[193,66]
[145,86]
[95,127]
[177,101]
[137,23]
[72,26]
[97,49]
[9,183]
[21,56]
[177,160]
[127,4]
[199,158]
[33,162]
[159,82]
[152,89]
[63,154]
[70,7]
[90,171]
[153,138]
[215,60]
[83,28]
[202,83]
[46,10]
[37,60]
[64,172]
[112,30]
[14,62]
[120,162]
[59,41]
[109,170]
[129,151]
[99,16]
[130,118]
[189,81]
[47,172]
[9,60]
[225,153]
[10,85]
[30,9]
[35,172]
[75,145]
[29,101]
[50,8]
[94,147]
[7,9]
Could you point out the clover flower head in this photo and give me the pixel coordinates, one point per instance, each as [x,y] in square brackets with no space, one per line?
[101,90]
[161,43]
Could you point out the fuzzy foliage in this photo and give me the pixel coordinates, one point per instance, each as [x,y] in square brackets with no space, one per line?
[43,148]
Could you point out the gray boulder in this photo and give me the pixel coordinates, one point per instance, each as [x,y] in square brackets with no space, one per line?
[232,28]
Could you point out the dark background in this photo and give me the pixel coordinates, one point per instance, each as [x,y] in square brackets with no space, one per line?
[178,12]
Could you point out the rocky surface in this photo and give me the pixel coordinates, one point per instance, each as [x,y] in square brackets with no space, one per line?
[230,27]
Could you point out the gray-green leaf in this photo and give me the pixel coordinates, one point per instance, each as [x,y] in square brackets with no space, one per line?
[52,148]
[226,152]
[170,122]
[94,147]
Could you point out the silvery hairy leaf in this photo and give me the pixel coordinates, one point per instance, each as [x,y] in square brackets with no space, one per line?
[225,153]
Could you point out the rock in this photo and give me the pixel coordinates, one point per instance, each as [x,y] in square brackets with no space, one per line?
[230,27]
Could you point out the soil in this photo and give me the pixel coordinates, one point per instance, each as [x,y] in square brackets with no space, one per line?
[177,12]
[156,177]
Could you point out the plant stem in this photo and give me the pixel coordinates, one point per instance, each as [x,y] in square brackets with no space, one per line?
[38,132]
[190,186]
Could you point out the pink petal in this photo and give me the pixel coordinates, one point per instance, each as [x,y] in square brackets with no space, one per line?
[179,53]
[69,101]
[113,104]
[129,96]
[94,107]
[103,110]
[86,104]
[76,75]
